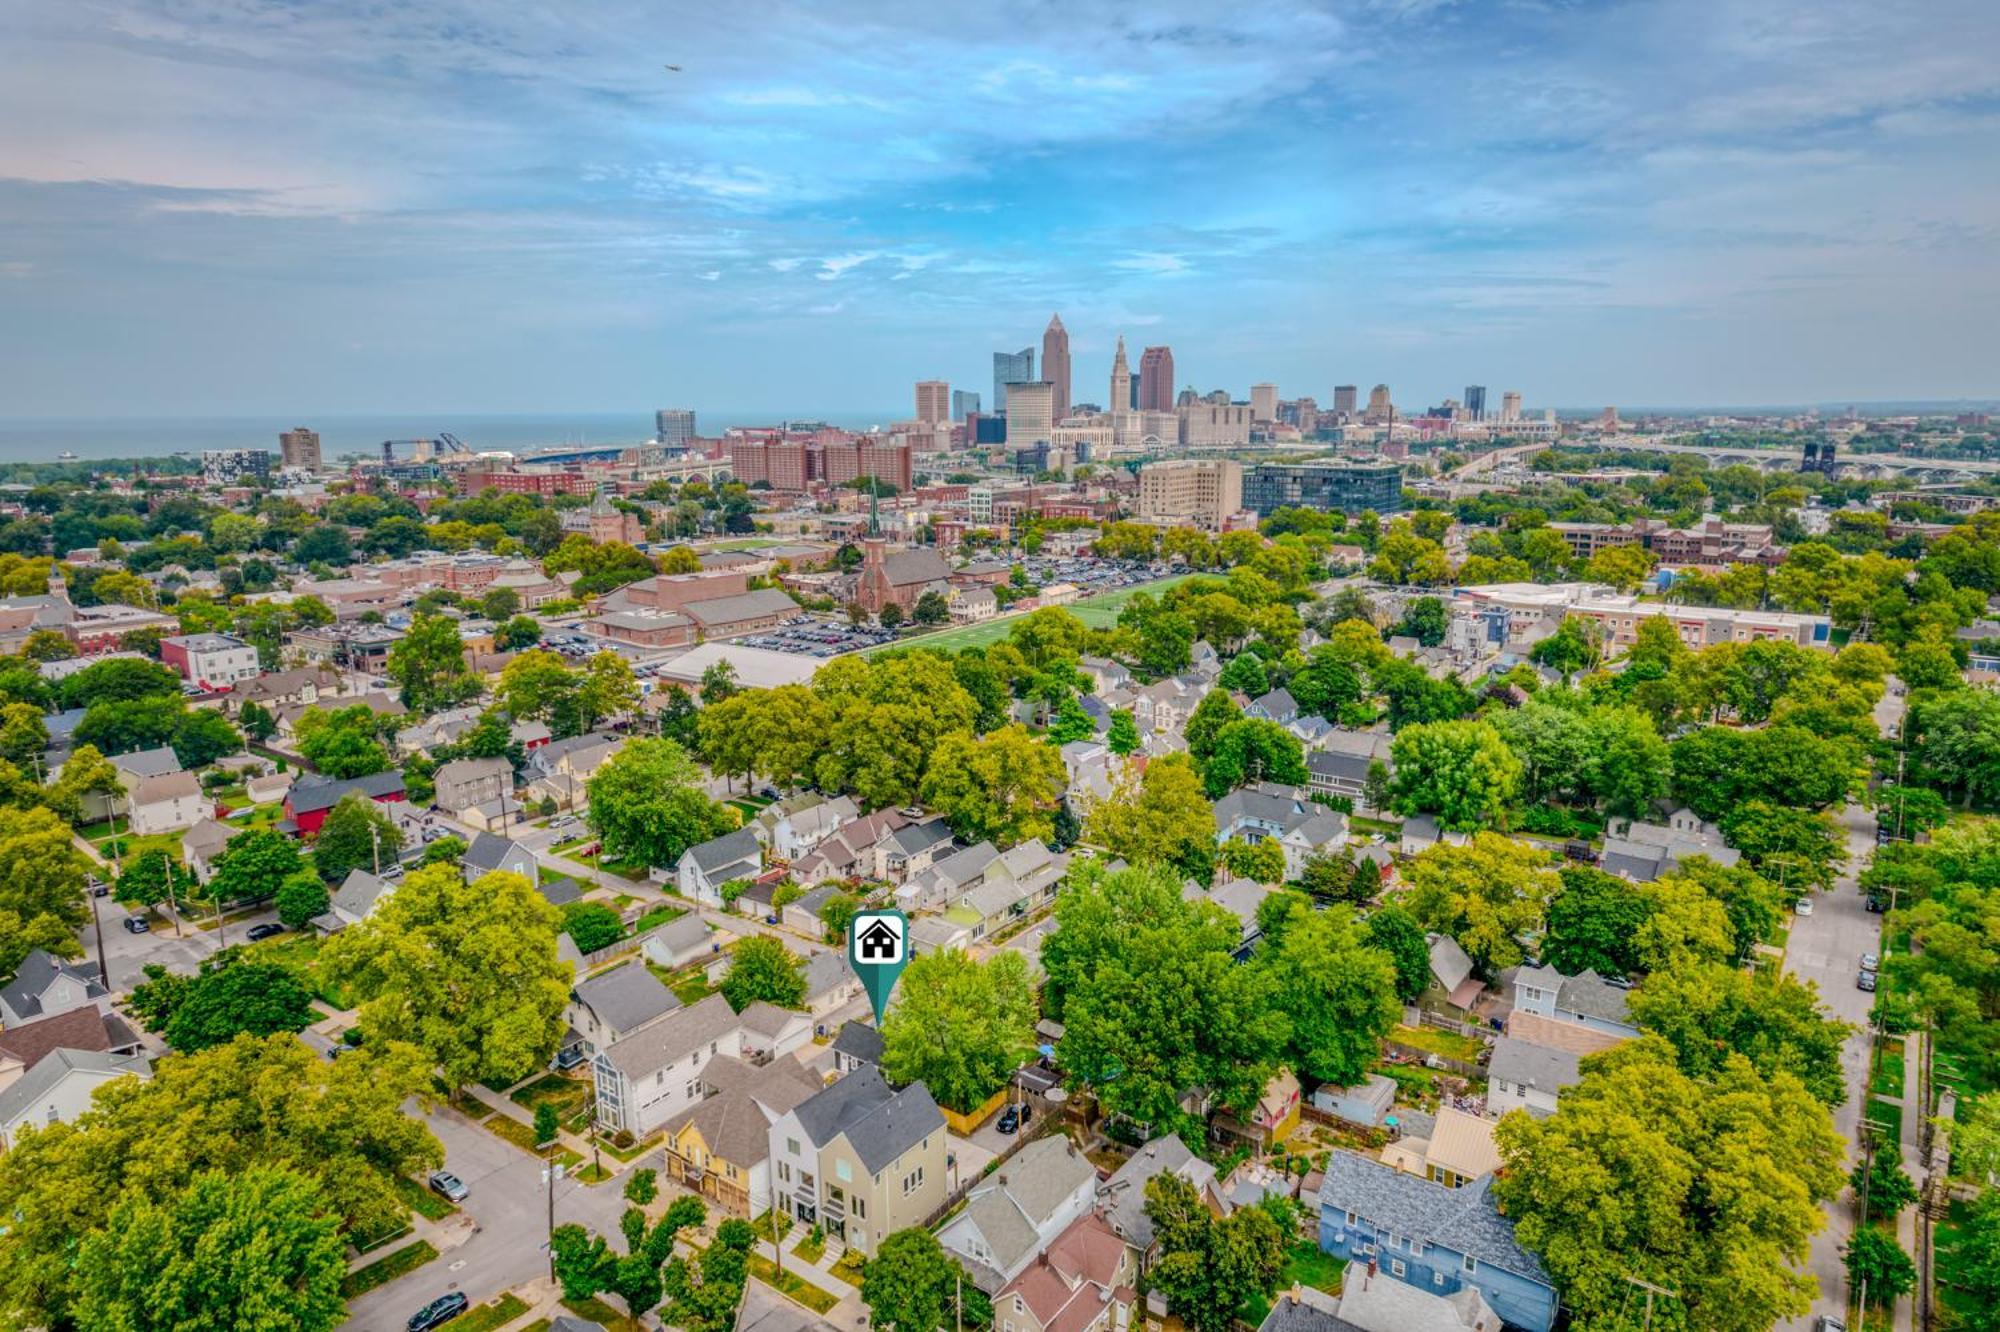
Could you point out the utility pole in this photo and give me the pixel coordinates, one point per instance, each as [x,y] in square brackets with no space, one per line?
[375,839]
[551,1172]
[97,923]
[1651,1290]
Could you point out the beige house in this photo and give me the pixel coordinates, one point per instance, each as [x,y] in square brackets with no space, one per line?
[166,803]
[1459,1150]
[861,1160]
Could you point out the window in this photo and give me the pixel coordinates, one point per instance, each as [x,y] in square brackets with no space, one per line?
[1395,1267]
[1437,1279]
[659,1077]
[843,1171]
[693,1090]
[1350,1218]
[860,1206]
[784,1173]
[913,1181]
[1471,1263]
[792,1146]
[1018,1306]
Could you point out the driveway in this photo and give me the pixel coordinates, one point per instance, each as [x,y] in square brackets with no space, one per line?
[508,1212]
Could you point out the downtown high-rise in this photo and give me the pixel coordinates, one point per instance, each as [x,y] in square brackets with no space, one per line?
[673,425]
[1055,365]
[1156,379]
[1011,368]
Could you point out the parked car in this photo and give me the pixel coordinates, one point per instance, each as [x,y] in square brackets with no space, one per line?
[449,1186]
[268,930]
[1804,906]
[1010,1119]
[1828,1323]
[138,925]
[1869,962]
[439,1312]
[98,887]
[1865,981]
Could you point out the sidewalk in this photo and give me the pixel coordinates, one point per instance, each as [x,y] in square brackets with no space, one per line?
[1914,1114]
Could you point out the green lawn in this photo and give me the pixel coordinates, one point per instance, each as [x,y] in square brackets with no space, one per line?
[1887,1078]
[690,988]
[523,1136]
[659,915]
[848,1269]
[597,1311]
[1436,1040]
[567,1095]
[424,1202]
[798,1288]
[1100,611]
[1888,1115]
[489,1317]
[386,1269]
[1306,1265]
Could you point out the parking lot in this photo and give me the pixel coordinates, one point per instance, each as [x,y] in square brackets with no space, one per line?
[815,636]
[1088,572]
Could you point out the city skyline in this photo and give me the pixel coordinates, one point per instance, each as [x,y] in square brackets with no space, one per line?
[212,211]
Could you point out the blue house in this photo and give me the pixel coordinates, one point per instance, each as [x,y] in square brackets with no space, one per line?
[1434,1238]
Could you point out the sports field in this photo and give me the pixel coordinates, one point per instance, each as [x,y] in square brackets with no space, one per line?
[1100,611]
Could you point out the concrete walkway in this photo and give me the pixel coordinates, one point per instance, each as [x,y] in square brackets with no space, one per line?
[1914,1114]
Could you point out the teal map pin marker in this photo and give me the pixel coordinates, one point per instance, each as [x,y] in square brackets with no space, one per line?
[878,948]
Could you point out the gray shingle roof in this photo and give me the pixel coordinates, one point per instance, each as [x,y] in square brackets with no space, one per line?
[33,977]
[1591,995]
[1539,1066]
[310,794]
[626,997]
[879,1124]
[489,851]
[728,849]
[1463,1220]
[56,1065]
[1012,1205]
[858,1040]
[1311,1311]
[1121,1200]
[673,1037]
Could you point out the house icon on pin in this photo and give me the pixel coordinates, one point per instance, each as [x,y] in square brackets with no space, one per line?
[879,941]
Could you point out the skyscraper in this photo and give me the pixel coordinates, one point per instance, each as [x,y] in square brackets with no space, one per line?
[673,425]
[300,448]
[1011,368]
[1055,364]
[1475,402]
[1121,381]
[1264,402]
[964,403]
[1156,379]
[933,401]
[1343,400]
[1510,407]
[1379,407]
[1029,420]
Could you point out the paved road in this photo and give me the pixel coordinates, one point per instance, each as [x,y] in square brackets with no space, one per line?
[1826,948]
[510,1209]
[126,954]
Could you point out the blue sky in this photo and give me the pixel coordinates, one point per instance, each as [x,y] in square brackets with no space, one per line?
[218,206]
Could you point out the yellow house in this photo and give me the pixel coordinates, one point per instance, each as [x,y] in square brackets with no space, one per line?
[1458,1151]
[721,1145]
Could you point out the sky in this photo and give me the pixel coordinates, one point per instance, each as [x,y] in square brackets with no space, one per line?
[210,207]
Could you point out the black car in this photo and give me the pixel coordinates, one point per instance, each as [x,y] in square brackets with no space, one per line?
[439,1312]
[268,930]
[1875,904]
[1010,1119]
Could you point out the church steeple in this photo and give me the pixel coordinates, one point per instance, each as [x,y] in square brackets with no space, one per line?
[1121,381]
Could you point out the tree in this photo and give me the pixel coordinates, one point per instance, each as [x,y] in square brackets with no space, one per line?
[1245,675]
[1396,933]
[1880,1178]
[1878,1264]
[257,721]
[837,913]
[1204,726]
[1957,737]
[341,743]
[913,1285]
[1485,894]
[357,834]
[1909,810]
[592,925]
[500,603]
[237,996]
[891,615]
[300,898]
[254,866]
[23,735]
[1375,787]
[41,887]
[1339,991]
[548,1124]
[1152,999]
[1253,750]
[779,733]
[1461,771]
[932,608]
[642,1186]
[1161,819]
[1209,1268]
[1593,923]
[648,805]
[1262,861]
[1708,1187]
[1979,1264]
[250,1252]
[1571,648]
[1122,736]
[1797,847]
[428,661]
[705,1290]
[200,737]
[48,645]
[251,1105]
[1002,787]
[761,967]
[1425,620]
[118,680]
[466,972]
[1710,1012]
[959,1026]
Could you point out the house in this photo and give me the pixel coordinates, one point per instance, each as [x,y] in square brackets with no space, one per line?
[1018,1211]
[1643,852]
[59,1088]
[1016,884]
[1121,1200]
[559,770]
[948,879]
[861,1160]
[210,661]
[1240,898]
[606,1008]
[1458,1150]
[1366,1103]
[203,844]
[763,1310]
[912,849]
[849,852]
[488,852]
[1084,1281]
[971,605]
[1453,987]
[1104,674]
[1537,1058]
[830,983]
[1420,834]
[1586,999]
[353,902]
[560,891]
[1277,706]
[1371,1302]
[802,913]
[1302,1309]
[1287,814]
[45,986]
[285,689]
[87,1028]
[720,1147]
[1164,705]
[935,934]
[856,1046]
[268,789]
[771,1032]
[680,942]
[703,869]
[648,1077]
[311,799]
[463,783]
[1271,1119]
[1438,1239]
[795,825]
[165,804]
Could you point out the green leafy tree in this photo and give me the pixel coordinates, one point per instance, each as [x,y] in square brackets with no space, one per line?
[341,743]
[1978,1262]
[1710,1012]
[428,661]
[257,721]
[761,967]
[23,735]
[1711,1187]
[1122,737]
[41,887]
[837,913]
[466,972]
[959,1026]
[1486,894]
[1205,724]
[1263,861]
[1396,933]
[254,866]
[1245,675]
[1571,648]
[592,925]
[1339,991]
[1593,923]
[704,1291]
[200,737]
[1253,750]
[1425,620]
[237,997]
[1910,810]
[250,1252]
[300,898]
[1461,771]
[1209,1268]
[647,803]
[356,832]
[548,1124]
[642,1186]
[913,1285]
[1877,1263]
[1882,1180]
[1001,787]
[1162,818]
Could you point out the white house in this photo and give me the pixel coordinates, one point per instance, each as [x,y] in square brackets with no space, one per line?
[1016,1212]
[60,1086]
[703,869]
[655,1073]
[167,803]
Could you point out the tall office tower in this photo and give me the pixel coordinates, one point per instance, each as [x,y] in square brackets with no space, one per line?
[1510,406]
[673,425]
[1343,400]
[1121,381]
[1030,413]
[1379,406]
[964,403]
[1055,363]
[300,448]
[1156,379]
[1475,402]
[1264,402]
[1011,368]
[1202,492]
[933,401]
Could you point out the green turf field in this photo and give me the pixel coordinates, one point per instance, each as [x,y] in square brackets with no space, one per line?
[1099,612]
